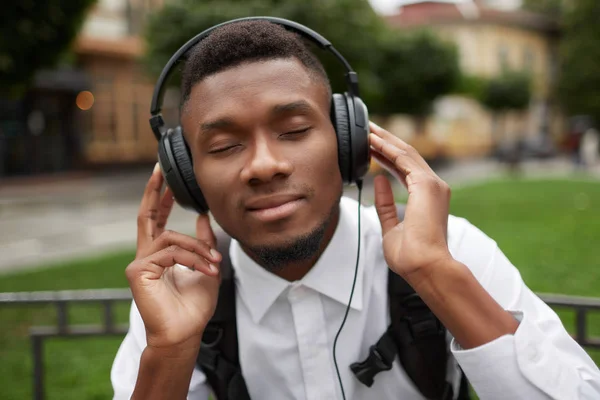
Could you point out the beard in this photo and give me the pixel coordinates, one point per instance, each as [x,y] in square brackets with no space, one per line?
[298,249]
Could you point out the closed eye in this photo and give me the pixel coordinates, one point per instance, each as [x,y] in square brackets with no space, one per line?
[222,149]
[298,132]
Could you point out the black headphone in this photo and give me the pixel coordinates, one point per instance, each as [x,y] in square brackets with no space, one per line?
[349,116]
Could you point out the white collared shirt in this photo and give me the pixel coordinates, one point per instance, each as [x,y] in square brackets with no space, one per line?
[286,329]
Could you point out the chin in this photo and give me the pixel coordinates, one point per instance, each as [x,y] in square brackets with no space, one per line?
[281,236]
[275,252]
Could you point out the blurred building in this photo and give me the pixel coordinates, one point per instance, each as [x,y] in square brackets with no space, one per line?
[92,112]
[109,48]
[95,112]
[40,131]
[489,40]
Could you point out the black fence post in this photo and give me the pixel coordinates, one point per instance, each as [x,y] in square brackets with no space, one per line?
[580,325]
[37,347]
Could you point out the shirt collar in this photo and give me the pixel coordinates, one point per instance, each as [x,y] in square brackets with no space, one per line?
[331,276]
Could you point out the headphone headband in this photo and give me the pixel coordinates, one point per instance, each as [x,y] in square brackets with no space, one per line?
[156,121]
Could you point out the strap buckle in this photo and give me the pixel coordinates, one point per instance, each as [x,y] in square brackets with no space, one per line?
[209,355]
[212,336]
[375,363]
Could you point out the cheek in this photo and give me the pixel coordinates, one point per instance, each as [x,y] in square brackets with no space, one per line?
[214,184]
[330,158]
[322,164]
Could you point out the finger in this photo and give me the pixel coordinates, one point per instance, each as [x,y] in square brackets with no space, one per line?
[401,144]
[164,210]
[148,211]
[389,167]
[153,266]
[398,157]
[204,231]
[387,136]
[171,238]
[172,255]
[385,204]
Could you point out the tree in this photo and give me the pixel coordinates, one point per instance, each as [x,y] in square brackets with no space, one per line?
[510,91]
[415,69]
[579,78]
[351,25]
[419,67]
[35,35]
[551,8]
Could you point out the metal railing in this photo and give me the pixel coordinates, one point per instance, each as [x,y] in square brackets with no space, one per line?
[61,300]
[581,306]
[108,297]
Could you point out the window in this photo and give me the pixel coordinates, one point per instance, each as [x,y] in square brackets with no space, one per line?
[528,59]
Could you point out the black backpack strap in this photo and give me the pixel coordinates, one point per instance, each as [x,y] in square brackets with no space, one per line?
[417,337]
[421,340]
[218,357]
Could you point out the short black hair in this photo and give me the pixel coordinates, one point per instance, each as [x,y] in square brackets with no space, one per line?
[246,41]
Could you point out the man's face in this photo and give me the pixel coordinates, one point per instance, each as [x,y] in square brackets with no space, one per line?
[265,151]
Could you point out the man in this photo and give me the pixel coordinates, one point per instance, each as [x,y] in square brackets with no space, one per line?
[256,117]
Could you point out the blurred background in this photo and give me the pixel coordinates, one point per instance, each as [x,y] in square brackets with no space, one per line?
[502,97]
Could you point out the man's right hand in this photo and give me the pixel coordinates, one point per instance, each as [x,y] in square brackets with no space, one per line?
[175,303]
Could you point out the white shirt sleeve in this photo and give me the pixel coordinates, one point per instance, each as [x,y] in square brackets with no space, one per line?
[123,374]
[541,360]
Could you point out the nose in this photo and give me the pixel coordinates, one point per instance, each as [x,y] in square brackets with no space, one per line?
[266,163]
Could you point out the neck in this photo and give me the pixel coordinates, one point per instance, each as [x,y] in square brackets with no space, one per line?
[294,271]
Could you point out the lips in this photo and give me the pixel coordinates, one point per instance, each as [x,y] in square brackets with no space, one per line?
[273,208]
[270,202]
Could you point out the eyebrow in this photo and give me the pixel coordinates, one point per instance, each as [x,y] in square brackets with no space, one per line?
[221,123]
[300,106]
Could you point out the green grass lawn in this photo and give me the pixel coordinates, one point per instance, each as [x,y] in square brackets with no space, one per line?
[549,229]
[75,368]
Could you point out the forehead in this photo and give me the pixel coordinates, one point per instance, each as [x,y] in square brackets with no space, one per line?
[255,84]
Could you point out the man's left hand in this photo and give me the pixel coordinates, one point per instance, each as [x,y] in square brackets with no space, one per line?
[415,246]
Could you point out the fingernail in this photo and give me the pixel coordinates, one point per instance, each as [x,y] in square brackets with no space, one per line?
[214,253]
[375,125]
[156,168]
[213,268]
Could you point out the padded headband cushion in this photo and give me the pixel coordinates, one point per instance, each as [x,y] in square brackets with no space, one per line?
[341,120]
[185,165]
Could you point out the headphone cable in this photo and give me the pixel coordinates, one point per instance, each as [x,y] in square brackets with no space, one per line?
[337,370]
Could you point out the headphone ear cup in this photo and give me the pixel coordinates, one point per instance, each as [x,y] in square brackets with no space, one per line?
[341,123]
[359,138]
[178,170]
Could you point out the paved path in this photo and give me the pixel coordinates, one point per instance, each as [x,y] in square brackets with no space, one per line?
[60,219]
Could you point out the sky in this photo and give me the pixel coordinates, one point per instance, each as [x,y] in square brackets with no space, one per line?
[390,6]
